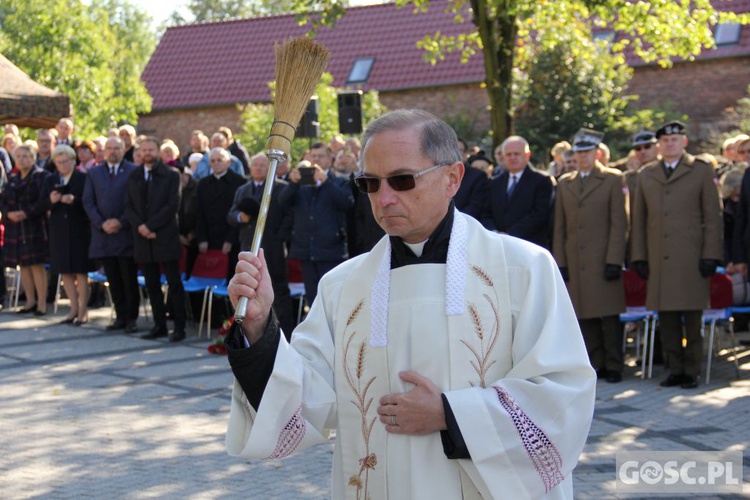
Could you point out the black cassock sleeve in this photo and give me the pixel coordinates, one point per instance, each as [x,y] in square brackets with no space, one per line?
[252,366]
[454,445]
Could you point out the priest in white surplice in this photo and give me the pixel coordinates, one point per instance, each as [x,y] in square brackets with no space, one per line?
[448,359]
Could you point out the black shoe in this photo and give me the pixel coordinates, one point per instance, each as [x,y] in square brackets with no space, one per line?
[690,381]
[601,373]
[673,381]
[614,377]
[67,321]
[26,310]
[119,324]
[37,312]
[131,327]
[156,332]
[744,342]
[177,336]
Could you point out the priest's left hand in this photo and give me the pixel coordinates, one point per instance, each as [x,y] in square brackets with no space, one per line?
[417,412]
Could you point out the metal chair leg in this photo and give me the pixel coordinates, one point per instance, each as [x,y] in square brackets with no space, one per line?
[733,339]
[712,330]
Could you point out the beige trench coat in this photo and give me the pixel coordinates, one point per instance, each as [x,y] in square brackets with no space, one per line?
[590,232]
[676,222]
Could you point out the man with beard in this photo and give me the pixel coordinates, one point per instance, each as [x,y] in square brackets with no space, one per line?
[153,199]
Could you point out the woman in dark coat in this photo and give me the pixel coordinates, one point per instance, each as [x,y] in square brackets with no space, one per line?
[70,231]
[26,245]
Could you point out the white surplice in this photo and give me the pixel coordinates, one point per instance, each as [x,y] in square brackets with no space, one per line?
[493,328]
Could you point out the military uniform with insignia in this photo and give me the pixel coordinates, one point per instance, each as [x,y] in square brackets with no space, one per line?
[589,247]
[676,243]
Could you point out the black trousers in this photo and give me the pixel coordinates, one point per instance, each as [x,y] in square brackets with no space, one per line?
[176,292]
[122,274]
[682,360]
[312,271]
[603,339]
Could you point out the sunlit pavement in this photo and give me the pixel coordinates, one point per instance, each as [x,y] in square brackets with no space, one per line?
[86,413]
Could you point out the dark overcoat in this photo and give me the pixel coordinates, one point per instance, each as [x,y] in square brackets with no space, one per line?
[26,243]
[277,232]
[319,231]
[69,227]
[213,200]
[676,222]
[154,204]
[591,232]
[103,199]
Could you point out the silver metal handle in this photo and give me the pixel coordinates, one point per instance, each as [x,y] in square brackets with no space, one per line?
[275,156]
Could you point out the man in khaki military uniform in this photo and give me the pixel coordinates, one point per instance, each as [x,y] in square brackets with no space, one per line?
[676,240]
[589,247]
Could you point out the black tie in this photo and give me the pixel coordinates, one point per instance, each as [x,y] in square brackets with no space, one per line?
[512,186]
[111,172]
[670,170]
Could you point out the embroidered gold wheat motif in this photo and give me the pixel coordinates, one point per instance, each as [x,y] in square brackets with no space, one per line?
[361,402]
[482,353]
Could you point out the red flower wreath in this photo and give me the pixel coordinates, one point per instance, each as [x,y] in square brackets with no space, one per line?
[218,347]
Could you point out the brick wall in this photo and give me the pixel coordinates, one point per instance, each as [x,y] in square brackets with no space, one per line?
[445,102]
[178,124]
[702,90]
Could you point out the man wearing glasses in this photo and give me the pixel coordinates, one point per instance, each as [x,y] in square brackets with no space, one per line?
[448,359]
[676,244]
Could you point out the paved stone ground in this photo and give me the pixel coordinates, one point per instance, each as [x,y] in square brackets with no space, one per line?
[86,413]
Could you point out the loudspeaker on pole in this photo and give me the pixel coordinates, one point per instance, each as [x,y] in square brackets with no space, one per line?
[350,112]
[309,126]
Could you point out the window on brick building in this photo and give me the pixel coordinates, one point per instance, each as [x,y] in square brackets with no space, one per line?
[607,36]
[360,71]
[727,33]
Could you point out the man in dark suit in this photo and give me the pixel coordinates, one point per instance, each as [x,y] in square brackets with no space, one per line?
[212,202]
[520,200]
[153,198]
[111,238]
[243,214]
[473,193]
[236,149]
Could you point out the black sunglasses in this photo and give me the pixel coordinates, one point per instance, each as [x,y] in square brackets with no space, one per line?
[643,146]
[400,182]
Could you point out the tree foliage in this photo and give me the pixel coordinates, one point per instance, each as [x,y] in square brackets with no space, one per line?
[94,53]
[214,10]
[256,119]
[509,32]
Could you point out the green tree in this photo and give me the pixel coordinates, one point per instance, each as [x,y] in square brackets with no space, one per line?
[93,53]
[213,10]
[256,119]
[507,33]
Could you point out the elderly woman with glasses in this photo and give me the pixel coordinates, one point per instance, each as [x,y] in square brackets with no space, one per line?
[26,243]
[70,231]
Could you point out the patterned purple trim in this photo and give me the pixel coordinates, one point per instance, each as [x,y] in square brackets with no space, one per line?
[291,436]
[541,450]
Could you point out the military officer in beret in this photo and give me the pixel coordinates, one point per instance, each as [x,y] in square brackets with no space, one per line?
[646,150]
[589,247]
[676,243]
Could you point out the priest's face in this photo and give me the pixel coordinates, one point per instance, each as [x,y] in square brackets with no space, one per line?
[414,214]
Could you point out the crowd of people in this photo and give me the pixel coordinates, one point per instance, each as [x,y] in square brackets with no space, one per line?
[125,202]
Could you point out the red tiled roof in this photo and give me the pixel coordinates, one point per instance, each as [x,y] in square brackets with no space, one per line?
[230,62]
[740,49]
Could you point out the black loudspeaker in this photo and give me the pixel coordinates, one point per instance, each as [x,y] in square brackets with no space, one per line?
[350,112]
[309,126]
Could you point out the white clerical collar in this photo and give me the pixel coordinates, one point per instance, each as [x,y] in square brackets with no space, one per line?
[417,248]
[455,280]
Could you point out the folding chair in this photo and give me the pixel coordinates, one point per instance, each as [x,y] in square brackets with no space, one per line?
[209,271]
[635,302]
[720,314]
[98,277]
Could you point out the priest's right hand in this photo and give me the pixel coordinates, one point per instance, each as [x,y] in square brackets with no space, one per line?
[252,280]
